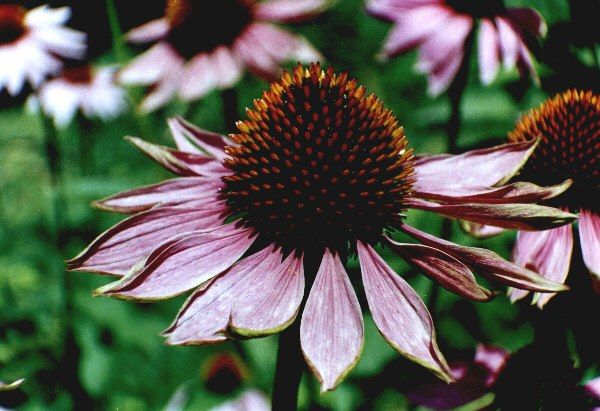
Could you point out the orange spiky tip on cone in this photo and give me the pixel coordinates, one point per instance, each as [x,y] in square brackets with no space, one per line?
[12,27]
[318,163]
[568,126]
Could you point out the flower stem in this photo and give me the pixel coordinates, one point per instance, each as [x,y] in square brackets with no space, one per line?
[118,44]
[230,108]
[288,373]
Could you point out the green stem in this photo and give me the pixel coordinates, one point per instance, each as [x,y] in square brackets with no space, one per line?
[230,108]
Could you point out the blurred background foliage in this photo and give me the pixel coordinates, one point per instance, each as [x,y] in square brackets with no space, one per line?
[78,351]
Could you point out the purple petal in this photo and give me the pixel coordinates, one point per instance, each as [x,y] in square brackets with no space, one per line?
[331,332]
[399,313]
[592,388]
[527,19]
[494,165]
[519,192]
[509,42]
[493,360]
[260,293]
[151,31]
[442,268]
[289,11]
[184,263]
[170,192]
[487,263]
[480,230]
[488,51]
[190,138]
[119,248]
[392,10]
[547,253]
[589,236]
[515,216]
[201,77]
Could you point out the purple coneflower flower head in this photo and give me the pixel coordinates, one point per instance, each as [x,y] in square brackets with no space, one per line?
[91,90]
[473,379]
[568,126]
[440,28]
[319,172]
[32,43]
[208,45]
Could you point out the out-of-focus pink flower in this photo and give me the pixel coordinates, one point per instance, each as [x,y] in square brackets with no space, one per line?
[568,126]
[208,45]
[250,400]
[318,172]
[592,388]
[91,90]
[472,380]
[440,28]
[32,43]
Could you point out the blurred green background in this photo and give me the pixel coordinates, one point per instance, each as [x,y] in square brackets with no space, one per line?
[78,351]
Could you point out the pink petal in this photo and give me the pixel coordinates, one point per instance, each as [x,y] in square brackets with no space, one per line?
[546,252]
[592,388]
[151,31]
[163,90]
[289,11]
[200,77]
[494,165]
[515,216]
[391,10]
[513,193]
[589,236]
[442,268]
[509,42]
[178,162]
[414,26]
[493,359]
[480,230]
[151,66]
[260,295]
[487,263]
[180,265]
[331,332]
[527,19]
[227,66]
[488,51]
[119,248]
[399,313]
[193,139]
[174,191]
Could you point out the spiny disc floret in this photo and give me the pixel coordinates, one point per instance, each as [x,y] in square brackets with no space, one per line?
[318,164]
[568,127]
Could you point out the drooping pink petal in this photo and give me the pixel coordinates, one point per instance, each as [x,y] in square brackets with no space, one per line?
[494,165]
[527,19]
[200,77]
[391,10]
[412,27]
[331,332]
[442,268]
[122,246]
[592,388]
[184,263]
[509,42]
[183,164]
[480,230]
[170,192]
[399,313]
[487,263]
[488,51]
[151,66]
[260,295]
[547,253]
[190,138]
[589,236]
[151,31]
[515,216]
[519,192]
[228,67]
[289,11]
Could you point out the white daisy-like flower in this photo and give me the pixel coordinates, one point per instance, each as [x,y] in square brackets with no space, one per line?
[32,43]
[92,90]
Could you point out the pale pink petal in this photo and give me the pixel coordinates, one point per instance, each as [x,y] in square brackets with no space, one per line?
[262,293]
[289,11]
[151,31]
[493,359]
[331,332]
[251,400]
[391,10]
[183,264]
[547,253]
[442,268]
[488,51]
[487,263]
[589,236]
[509,42]
[399,313]
[592,388]
[128,243]
[178,162]
[151,66]
[162,91]
[494,165]
[192,139]
[227,66]
[527,19]
[481,230]
[515,216]
[199,78]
